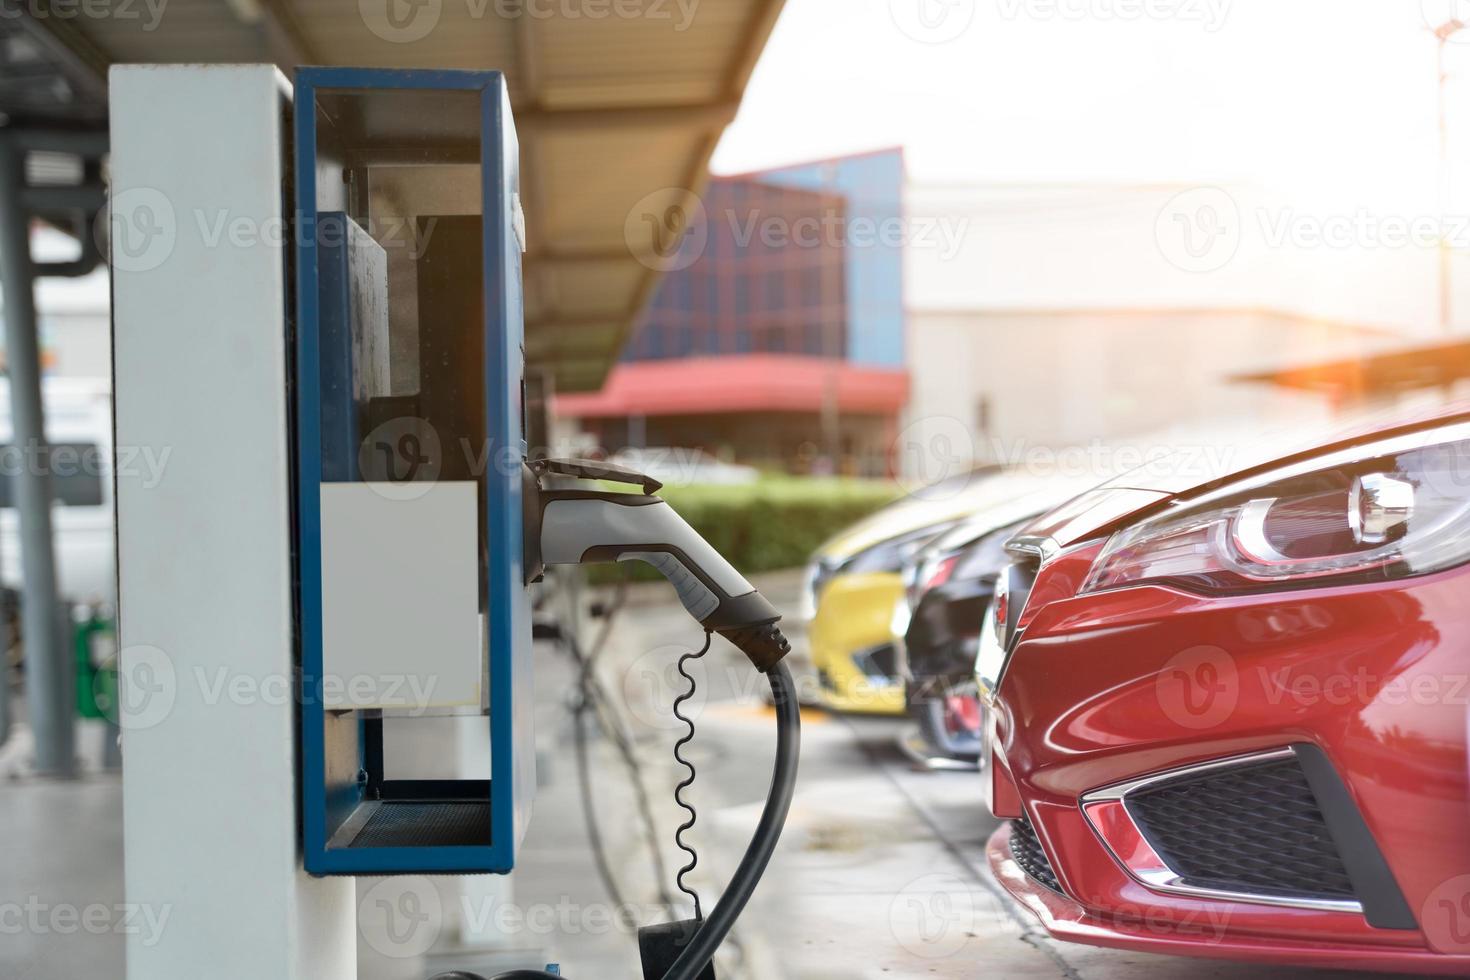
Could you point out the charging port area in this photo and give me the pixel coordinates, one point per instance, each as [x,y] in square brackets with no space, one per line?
[409,441]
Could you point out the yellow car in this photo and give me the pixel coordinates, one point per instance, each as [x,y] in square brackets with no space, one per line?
[855,597]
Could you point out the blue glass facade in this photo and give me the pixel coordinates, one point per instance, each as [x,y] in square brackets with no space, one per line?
[872,187]
[804,260]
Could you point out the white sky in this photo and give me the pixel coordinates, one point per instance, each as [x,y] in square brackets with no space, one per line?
[1331,102]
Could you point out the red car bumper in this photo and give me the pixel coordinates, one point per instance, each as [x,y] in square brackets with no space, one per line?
[1205,933]
[1365,688]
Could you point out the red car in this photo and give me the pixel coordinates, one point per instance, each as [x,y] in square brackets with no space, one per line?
[1230,709]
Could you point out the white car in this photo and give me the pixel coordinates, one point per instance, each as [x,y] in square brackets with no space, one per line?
[79,430]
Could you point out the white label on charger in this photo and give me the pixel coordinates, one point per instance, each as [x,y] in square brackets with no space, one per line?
[401,625]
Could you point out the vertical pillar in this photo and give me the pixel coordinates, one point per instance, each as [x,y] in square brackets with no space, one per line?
[49,676]
[5,712]
[200,253]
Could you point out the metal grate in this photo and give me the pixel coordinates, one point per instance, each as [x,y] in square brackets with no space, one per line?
[416,824]
[1256,828]
[1026,849]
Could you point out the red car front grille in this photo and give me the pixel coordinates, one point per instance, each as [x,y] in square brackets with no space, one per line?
[1251,828]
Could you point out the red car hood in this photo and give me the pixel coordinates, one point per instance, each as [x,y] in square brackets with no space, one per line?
[1186,467]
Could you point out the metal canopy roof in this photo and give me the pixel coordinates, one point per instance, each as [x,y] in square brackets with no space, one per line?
[619,104]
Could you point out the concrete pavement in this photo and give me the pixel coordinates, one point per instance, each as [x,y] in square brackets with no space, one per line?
[880,873]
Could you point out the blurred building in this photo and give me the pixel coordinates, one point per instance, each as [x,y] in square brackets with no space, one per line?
[1071,315]
[777,334]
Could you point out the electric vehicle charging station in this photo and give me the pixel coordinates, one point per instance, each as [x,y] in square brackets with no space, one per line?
[387,525]
[410,436]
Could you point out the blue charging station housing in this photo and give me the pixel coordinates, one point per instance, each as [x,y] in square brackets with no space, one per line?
[359,134]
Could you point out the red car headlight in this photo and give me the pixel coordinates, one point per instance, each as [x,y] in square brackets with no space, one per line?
[1397,507]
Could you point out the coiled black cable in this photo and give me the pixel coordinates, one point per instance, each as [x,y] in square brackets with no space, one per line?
[689,779]
[712,932]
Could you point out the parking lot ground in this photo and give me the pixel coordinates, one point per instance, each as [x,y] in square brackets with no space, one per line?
[881,869]
[880,873]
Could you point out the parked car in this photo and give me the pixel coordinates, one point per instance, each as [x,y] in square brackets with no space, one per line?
[854,583]
[1229,710]
[861,586]
[949,587]
[952,584]
[79,429]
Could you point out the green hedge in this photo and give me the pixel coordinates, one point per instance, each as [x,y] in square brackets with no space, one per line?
[776,522]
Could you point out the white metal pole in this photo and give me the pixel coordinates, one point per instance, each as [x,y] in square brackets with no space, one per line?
[200,254]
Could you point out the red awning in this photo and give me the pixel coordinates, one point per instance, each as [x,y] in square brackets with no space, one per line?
[744,383]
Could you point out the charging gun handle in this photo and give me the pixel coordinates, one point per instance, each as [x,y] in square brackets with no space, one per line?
[579,526]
